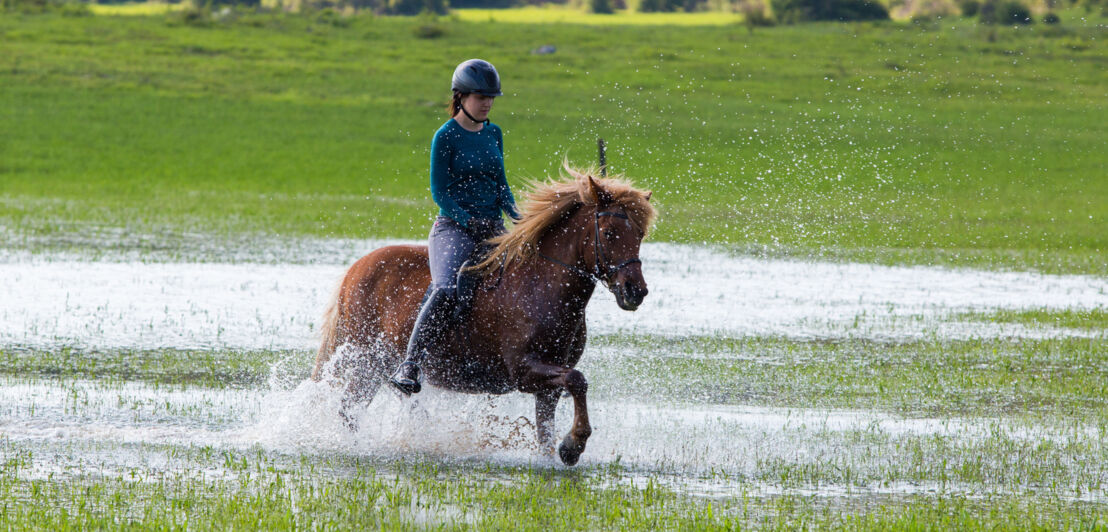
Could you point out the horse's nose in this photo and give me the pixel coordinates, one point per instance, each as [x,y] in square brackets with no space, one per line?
[634,293]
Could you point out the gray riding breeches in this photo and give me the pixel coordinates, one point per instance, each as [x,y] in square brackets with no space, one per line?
[449,245]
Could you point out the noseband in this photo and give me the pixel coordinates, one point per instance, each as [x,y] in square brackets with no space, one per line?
[599,273]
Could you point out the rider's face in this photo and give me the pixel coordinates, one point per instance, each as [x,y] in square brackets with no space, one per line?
[478,105]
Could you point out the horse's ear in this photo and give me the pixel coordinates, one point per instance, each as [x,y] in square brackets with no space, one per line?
[574,173]
[648,194]
[603,197]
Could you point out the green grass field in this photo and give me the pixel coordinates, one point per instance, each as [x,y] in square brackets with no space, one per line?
[344,493]
[947,143]
[147,138]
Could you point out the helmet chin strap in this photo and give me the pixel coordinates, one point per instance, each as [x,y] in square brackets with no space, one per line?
[469,116]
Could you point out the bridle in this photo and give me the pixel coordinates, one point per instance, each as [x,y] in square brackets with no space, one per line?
[600,273]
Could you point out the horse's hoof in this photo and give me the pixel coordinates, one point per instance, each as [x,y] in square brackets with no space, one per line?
[406,386]
[569,453]
[406,378]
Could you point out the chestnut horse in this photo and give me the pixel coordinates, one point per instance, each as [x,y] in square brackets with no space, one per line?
[526,328]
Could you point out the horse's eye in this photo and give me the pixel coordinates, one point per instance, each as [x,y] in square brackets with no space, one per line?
[610,235]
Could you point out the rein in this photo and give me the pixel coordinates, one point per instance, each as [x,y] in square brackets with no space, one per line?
[597,274]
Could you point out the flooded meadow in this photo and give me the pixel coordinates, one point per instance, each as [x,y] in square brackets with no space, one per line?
[756,390]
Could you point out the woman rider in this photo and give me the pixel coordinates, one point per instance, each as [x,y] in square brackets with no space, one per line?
[469,186]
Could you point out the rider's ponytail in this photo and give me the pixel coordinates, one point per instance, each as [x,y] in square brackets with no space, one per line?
[455,104]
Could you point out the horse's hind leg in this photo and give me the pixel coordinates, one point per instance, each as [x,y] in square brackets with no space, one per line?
[362,376]
[545,403]
[541,378]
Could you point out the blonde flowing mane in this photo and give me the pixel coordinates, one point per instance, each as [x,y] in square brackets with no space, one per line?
[548,203]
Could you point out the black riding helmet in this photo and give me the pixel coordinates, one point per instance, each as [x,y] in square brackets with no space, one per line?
[476,75]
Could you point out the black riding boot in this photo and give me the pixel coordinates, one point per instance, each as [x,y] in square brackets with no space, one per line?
[467,282]
[433,319]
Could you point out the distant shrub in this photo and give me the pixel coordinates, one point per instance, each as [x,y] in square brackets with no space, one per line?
[75,9]
[1051,18]
[403,7]
[237,3]
[190,15]
[843,10]
[1004,12]
[603,7]
[759,19]
[926,12]
[24,6]
[756,14]
[415,7]
[258,19]
[331,17]
[485,4]
[969,8]
[429,31]
[70,8]
[428,26]
[1094,5]
[1017,13]
[656,6]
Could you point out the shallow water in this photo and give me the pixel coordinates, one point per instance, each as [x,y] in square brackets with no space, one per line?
[713,450]
[707,450]
[52,303]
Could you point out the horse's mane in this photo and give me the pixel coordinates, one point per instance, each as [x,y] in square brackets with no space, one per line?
[548,203]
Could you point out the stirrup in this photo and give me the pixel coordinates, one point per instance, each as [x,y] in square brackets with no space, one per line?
[406,378]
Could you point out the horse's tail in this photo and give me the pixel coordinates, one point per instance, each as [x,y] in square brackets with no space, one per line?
[329,333]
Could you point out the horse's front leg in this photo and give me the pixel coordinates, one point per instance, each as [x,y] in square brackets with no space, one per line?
[545,403]
[539,377]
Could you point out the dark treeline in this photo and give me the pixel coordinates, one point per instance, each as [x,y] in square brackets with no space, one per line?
[756,12]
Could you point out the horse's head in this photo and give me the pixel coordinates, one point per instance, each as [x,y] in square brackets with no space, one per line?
[619,224]
[602,221]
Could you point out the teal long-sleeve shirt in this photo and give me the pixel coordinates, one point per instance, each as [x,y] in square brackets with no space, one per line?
[467,173]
